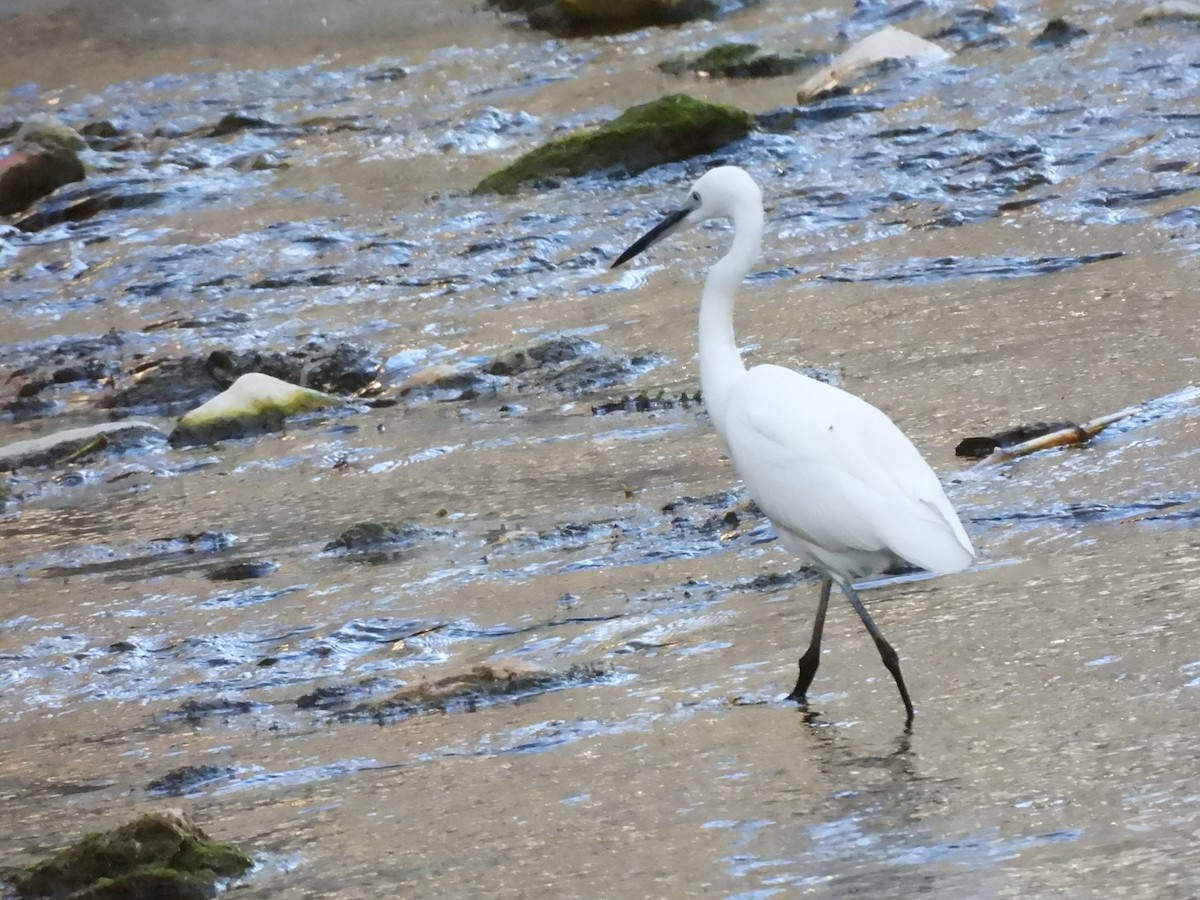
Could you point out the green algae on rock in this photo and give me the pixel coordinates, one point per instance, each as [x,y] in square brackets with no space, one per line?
[739,61]
[157,855]
[253,404]
[669,129]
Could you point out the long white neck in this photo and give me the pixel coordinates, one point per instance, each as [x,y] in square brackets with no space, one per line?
[720,362]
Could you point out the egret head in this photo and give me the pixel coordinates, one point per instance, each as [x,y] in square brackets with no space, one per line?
[718,193]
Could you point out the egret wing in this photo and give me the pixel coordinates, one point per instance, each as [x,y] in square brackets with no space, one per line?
[838,473]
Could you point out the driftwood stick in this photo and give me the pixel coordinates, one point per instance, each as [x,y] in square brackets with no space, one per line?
[1065,437]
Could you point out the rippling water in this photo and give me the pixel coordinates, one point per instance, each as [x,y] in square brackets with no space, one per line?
[1007,238]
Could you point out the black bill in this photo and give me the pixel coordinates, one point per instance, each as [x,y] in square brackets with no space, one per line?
[654,235]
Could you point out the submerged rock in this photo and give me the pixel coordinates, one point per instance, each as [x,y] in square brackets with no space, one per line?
[1171,11]
[187,779]
[367,537]
[83,203]
[161,855]
[167,385]
[255,404]
[580,17]
[974,27]
[665,130]
[886,46]
[739,61]
[567,364]
[27,177]
[1058,33]
[244,570]
[66,446]
[559,362]
[504,678]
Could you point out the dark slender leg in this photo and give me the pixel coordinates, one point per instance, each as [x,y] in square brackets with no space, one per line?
[812,656]
[887,652]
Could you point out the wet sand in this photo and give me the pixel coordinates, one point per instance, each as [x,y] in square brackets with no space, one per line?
[1056,681]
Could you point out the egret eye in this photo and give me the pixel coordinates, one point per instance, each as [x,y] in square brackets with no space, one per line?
[696,196]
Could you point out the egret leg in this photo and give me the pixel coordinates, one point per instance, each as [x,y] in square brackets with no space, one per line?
[812,656]
[891,659]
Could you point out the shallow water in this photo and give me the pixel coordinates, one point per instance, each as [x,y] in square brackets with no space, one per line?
[1009,238]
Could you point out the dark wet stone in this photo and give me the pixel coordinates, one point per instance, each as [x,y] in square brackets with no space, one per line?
[781,121]
[741,61]
[94,357]
[77,443]
[716,519]
[978,27]
[374,536]
[567,364]
[719,500]
[881,11]
[258,162]
[339,369]
[27,177]
[489,682]
[241,571]
[105,137]
[645,402]
[564,363]
[601,370]
[85,203]
[1058,33]
[387,73]
[197,542]
[187,779]
[571,18]
[552,350]
[195,712]
[218,319]
[161,855]
[172,385]
[771,581]
[169,386]
[232,123]
[980,447]
[338,696]
[665,130]
[924,271]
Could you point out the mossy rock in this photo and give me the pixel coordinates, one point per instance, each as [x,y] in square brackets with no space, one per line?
[739,61]
[160,855]
[665,130]
[254,404]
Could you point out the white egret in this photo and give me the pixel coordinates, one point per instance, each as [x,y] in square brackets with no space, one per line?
[847,492]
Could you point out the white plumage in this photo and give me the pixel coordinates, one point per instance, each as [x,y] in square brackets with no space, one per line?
[847,492]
